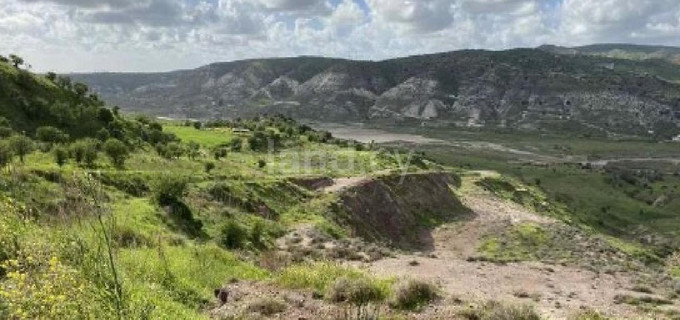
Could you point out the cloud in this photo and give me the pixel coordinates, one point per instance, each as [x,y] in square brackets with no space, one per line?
[306,7]
[617,20]
[154,12]
[116,4]
[153,35]
[418,16]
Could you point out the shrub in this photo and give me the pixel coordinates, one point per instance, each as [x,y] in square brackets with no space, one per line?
[84,151]
[267,306]
[60,155]
[220,153]
[51,135]
[6,132]
[117,151]
[103,135]
[169,189]
[209,166]
[233,236]
[496,311]
[21,146]
[171,150]
[6,154]
[261,163]
[413,295]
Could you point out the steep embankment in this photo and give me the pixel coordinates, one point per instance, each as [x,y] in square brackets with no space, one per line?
[398,209]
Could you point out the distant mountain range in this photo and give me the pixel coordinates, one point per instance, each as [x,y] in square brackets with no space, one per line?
[607,89]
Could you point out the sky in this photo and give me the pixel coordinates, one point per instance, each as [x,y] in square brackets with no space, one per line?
[161,35]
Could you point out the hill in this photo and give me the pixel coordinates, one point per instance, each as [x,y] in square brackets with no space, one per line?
[621,51]
[30,101]
[265,218]
[530,89]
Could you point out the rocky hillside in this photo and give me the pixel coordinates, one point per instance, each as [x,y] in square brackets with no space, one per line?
[522,88]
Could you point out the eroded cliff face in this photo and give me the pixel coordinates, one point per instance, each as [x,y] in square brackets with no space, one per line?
[526,88]
[400,210]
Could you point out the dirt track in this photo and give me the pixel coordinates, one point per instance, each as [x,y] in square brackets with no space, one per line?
[557,291]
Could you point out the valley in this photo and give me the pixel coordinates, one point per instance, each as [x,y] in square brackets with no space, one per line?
[110,213]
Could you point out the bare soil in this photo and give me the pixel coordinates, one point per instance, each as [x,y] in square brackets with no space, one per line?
[557,291]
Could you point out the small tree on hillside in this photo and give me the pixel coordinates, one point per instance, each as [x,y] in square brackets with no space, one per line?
[21,145]
[51,135]
[17,61]
[194,150]
[60,155]
[80,89]
[117,151]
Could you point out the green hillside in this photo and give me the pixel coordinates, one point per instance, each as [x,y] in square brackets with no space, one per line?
[30,101]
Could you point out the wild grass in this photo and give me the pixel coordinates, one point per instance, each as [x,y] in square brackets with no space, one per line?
[320,276]
[206,137]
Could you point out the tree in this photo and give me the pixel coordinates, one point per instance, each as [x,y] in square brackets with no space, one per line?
[6,154]
[80,89]
[51,135]
[51,76]
[103,135]
[105,115]
[198,125]
[5,128]
[84,151]
[16,60]
[117,151]
[220,153]
[60,155]
[21,145]
[194,150]
[3,59]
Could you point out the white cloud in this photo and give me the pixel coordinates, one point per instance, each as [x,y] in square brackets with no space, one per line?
[419,16]
[151,35]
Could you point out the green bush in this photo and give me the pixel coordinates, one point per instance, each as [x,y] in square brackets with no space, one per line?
[60,155]
[233,236]
[117,151]
[51,135]
[413,295]
[209,166]
[169,189]
[21,146]
[84,151]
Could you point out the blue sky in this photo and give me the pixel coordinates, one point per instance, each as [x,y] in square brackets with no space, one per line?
[155,35]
